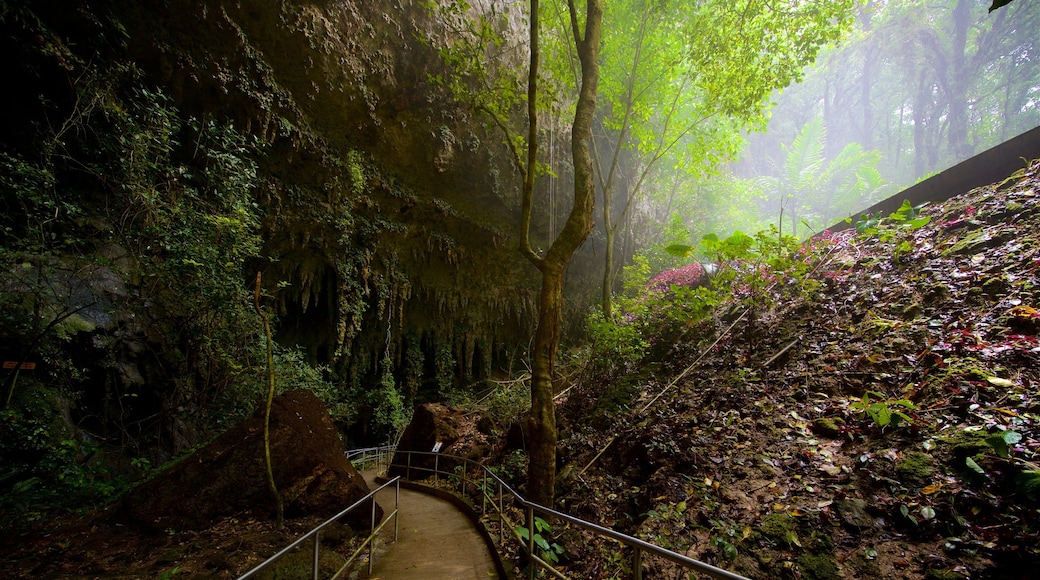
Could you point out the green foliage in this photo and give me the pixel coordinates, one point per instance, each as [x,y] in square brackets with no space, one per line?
[1001,442]
[725,538]
[882,411]
[619,346]
[814,190]
[894,229]
[356,169]
[906,218]
[635,276]
[126,219]
[388,410]
[444,367]
[412,369]
[504,401]
[547,550]
[42,470]
[292,371]
[747,268]
[753,264]
[1029,484]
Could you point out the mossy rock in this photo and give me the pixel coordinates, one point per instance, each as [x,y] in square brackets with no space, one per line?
[965,443]
[910,311]
[819,566]
[994,287]
[866,567]
[936,294]
[853,513]
[832,427]
[779,529]
[915,468]
[821,542]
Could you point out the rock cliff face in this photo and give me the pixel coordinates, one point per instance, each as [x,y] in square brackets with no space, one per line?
[384,211]
[389,206]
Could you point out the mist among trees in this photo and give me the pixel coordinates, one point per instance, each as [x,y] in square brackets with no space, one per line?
[912,89]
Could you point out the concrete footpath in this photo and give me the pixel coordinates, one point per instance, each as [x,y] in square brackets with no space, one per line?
[435,540]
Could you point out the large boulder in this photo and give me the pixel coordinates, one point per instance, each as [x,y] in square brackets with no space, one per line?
[441,429]
[228,476]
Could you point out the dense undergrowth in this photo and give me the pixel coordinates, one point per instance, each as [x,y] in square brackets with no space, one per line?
[128,231]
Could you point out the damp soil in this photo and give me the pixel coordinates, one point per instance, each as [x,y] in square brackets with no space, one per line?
[885,424]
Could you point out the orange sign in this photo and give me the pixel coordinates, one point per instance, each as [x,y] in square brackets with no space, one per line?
[26,366]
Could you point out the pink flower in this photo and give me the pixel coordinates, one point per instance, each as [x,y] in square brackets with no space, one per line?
[690,276]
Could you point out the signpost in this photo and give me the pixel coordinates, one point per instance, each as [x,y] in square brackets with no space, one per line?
[13,364]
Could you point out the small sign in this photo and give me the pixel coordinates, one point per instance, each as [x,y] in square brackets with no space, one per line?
[26,366]
[437,446]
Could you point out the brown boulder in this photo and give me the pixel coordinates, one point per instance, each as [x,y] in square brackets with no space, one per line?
[438,428]
[228,476]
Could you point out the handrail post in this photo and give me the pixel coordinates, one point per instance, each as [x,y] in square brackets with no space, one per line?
[501,517]
[437,467]
[371,533]
[397,508]
[408,471]
[637,564]
[530,539]
[317,547]
[462,479]
[483,493]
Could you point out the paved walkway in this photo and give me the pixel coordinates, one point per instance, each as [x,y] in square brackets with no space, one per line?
[435,541]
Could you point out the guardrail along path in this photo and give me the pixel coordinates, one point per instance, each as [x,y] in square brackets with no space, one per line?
[434,540]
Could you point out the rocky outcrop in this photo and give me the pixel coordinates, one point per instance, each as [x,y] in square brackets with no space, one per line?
[437,428]
[228,476]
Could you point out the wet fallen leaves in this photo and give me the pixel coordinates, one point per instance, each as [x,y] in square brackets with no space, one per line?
[898,438]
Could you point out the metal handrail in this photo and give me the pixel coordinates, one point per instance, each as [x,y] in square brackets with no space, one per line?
[530,508]
[361,458]
[316,534]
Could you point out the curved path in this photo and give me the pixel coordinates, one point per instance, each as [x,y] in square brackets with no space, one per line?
[435,540]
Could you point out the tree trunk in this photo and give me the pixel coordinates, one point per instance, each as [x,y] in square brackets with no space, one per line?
[866,82]
[957,83]
[541,467]
[608,275]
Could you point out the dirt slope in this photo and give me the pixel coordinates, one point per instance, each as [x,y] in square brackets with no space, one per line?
[797,466]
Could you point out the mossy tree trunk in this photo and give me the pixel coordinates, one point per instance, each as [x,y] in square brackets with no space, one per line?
[541,471]
[279,503]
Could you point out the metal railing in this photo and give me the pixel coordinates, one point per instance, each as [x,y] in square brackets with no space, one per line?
[368,457]
[498,493]
[316,534]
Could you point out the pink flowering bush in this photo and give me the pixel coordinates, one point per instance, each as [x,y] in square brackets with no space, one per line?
[688,276]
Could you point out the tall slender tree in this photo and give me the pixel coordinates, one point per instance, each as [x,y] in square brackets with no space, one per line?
[682,80]
[541,469]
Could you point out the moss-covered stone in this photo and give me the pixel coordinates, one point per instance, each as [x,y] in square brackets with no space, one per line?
[853,513]
[965,443]
[864,566]
[828,426]
[915,468]
[936,294]
[780,529]
[821,542]
[994,287]
[910,311]
[819,566]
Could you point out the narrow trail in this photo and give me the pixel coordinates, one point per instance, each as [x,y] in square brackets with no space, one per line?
[435,541]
